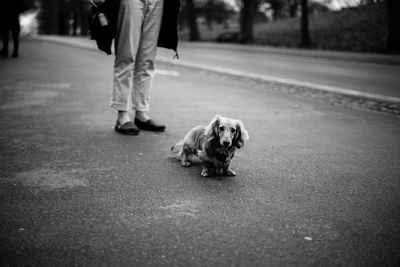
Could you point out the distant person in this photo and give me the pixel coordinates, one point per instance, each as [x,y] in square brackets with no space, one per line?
[141,26]
[9,21]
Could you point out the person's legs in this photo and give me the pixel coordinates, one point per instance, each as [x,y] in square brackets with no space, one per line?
[15,35]
[144,65]
[131,13]
[4,35]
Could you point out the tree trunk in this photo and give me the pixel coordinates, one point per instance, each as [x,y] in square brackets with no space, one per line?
[54,9]
[246,21]
[293,5]
[48,17]
[192,21]
[75,24]
[83,13]
[393,38]
[305,32]
[62,18]
[276,7]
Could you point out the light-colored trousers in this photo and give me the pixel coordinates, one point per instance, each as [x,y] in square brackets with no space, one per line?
[136,39]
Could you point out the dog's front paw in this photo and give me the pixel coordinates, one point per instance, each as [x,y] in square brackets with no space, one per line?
[201,155]
[230,172]
[185,163]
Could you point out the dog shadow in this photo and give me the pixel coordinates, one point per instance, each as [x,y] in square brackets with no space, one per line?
[196,168]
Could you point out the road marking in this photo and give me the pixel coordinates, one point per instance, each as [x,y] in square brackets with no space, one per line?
[321,87]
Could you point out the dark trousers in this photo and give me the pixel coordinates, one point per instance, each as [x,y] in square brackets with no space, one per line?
[15,30]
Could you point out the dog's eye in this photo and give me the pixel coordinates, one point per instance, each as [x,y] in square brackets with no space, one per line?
[222,128]
[233,130]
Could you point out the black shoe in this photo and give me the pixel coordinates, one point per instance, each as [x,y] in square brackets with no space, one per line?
[14,55]
[127,128]
[149,125]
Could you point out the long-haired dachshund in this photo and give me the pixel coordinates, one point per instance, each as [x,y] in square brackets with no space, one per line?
[214,145]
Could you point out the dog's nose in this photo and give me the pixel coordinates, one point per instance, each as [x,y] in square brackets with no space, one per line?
[227,143]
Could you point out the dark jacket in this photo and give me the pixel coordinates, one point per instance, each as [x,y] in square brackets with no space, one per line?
[168,37]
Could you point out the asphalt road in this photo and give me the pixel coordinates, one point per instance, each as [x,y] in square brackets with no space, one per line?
[369,73]
[316,185]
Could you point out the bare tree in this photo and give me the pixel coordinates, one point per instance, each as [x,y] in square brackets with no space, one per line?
[305,32]
[194,34]
[246,20]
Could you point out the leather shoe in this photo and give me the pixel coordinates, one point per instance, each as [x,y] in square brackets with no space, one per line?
[149,125]
[127,128]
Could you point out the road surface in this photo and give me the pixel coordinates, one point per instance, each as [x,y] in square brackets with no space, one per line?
[364,73]
[317,184]
[342,70]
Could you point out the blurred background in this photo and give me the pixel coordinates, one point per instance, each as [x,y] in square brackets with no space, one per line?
[347,25]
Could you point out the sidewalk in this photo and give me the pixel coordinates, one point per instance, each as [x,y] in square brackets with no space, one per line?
[164,57]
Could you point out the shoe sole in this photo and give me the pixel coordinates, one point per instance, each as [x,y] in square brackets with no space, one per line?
[127,132]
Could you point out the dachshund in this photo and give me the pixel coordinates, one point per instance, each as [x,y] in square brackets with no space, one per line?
[215,145]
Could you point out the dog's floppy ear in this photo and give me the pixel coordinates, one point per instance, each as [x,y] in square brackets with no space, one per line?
[241,135]
[212,128]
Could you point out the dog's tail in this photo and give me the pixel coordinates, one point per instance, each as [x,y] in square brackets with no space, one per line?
[177,149]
